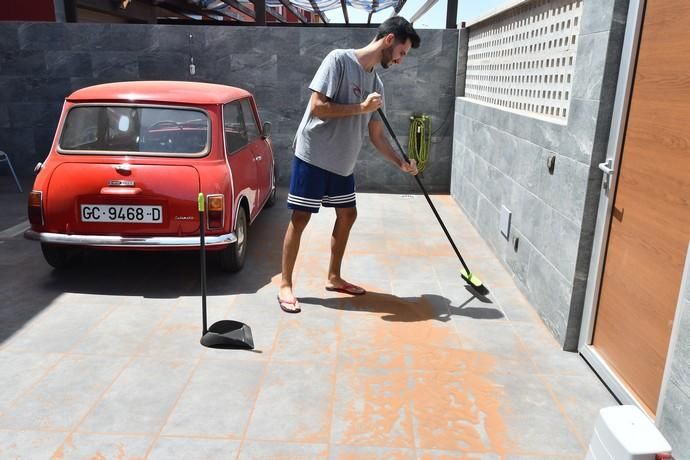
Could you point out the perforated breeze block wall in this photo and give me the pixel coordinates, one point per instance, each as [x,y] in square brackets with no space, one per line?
[524,60]
[536,83]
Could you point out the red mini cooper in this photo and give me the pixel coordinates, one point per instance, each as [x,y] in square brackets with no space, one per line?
[130,159]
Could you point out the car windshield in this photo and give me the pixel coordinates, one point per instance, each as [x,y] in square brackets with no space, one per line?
[135,129]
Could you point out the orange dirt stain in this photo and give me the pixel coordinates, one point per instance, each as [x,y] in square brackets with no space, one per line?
[408,372]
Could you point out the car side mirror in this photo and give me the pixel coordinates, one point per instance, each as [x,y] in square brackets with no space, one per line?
[266,133]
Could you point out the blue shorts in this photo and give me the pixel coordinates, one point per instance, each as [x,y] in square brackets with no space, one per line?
[312,187]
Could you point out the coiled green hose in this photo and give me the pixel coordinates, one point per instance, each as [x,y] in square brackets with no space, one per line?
[419,140]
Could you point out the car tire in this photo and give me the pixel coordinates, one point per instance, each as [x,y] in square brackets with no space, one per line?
[232,258]
[272,197]
[59,256]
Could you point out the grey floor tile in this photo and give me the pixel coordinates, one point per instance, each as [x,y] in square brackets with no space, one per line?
[458,411]
[399,339]
[257,450]
[547,354]
[497,337]
[367,341]
[372,408]
[123,331]
[77,298]
[315,265]
[366,239]
[294,404]
[29,444]
[532,420]
[514,304]
[319,303]
[582,397]
[177,336]
[408,268]
[95,446]
[218,400]
[306,337]
[366,267]
[141,398]
[58,329]
[64,395]
[19,371]
[194,449]
[552,456]
[416,288]
[423,454]
[371,453]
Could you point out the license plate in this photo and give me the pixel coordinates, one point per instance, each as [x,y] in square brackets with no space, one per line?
[121,213]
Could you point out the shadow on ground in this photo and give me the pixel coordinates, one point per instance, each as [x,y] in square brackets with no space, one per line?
[410,309]
[29,284]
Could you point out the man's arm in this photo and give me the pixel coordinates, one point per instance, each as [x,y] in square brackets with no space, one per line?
[323,108]
[380,141]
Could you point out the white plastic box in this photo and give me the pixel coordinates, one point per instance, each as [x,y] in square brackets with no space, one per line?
[625,433]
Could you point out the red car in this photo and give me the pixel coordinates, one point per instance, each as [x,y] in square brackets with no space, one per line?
[129,160]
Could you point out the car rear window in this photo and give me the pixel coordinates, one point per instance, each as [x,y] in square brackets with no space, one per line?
[141,130]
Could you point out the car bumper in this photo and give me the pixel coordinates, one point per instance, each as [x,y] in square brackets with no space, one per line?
[130,242]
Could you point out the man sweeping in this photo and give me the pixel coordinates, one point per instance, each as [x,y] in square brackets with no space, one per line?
[346,93]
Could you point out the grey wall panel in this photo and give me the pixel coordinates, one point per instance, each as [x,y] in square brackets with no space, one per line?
[504,154]
[41,63]
[675,410]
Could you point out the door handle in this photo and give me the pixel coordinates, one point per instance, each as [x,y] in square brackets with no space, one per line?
[258,157]
[607,168]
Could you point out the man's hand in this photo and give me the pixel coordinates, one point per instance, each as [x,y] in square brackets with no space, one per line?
[371,103]
[410,167]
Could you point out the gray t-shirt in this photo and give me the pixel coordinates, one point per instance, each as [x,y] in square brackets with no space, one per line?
[334,144]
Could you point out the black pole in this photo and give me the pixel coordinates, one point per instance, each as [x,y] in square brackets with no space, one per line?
[202,234]
[426,195]
[451,14]
[260,12]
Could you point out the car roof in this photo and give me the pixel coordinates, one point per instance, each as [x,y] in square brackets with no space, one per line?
[160,91]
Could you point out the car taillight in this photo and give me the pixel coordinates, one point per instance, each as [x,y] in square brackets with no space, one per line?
[216,207]
[36,208]
[664,457]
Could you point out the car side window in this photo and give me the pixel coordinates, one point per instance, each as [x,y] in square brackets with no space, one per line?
[250,120]
[234,127]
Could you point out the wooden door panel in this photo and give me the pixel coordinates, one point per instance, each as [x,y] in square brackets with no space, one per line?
[651,226]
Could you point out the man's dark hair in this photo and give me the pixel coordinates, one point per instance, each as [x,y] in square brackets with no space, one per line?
[401,28]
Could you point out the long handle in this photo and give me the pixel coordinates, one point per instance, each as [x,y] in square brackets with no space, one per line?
[202,248]
[426,195]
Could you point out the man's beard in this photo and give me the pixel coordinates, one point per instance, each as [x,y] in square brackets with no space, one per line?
[387,57]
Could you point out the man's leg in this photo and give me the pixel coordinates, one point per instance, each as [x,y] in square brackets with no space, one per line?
[345,218]
[291,243]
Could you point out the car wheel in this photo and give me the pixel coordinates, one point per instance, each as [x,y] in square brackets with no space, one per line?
[272,198]
[232,257]
[59,256]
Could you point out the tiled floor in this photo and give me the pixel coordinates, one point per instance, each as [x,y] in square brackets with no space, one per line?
[104,361]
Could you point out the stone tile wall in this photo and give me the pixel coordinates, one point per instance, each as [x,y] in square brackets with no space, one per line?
[675,410]
[500,159]
[41,63]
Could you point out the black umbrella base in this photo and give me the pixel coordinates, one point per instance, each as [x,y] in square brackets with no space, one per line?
[228,334]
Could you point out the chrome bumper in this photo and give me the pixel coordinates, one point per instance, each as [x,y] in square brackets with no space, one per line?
[130,242]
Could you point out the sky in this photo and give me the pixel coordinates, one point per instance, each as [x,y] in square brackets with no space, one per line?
[435,18]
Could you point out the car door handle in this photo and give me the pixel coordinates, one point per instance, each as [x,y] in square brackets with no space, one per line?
[258,157]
